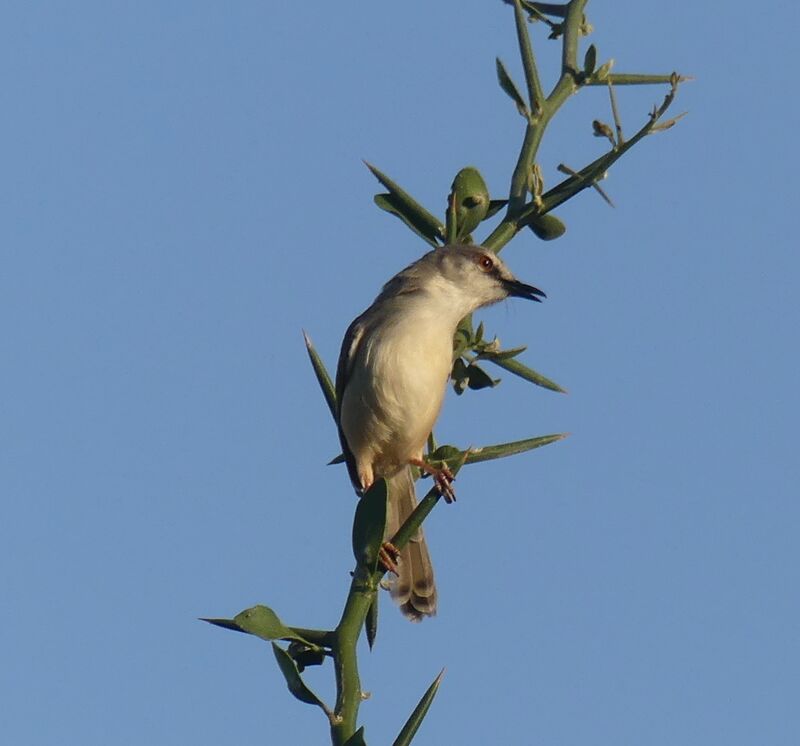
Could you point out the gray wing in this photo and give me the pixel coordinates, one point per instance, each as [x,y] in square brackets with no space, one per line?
[350,343]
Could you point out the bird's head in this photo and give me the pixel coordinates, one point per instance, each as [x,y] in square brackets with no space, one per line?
[479,275]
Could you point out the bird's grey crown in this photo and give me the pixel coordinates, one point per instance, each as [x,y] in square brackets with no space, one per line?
[449,262]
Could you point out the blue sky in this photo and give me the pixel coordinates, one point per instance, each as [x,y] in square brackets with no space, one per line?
[183,191]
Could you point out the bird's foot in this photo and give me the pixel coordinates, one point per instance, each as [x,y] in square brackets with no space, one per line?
[388,555]
[442,477]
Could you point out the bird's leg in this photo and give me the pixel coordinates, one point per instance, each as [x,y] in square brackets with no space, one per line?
[442,477]
[388,555]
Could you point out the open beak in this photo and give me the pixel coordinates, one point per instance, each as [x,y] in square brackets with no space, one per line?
[521,290]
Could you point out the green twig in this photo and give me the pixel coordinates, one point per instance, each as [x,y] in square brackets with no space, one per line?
[633,79]
[535,94]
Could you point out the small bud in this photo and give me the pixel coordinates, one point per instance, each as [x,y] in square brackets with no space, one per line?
[547,227]
[604,70]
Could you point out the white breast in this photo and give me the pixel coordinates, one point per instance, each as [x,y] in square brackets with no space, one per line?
[396,388]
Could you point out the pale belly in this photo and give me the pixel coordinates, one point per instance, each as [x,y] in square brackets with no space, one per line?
[392,400]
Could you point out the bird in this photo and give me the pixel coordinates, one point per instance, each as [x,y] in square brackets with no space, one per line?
[391,379]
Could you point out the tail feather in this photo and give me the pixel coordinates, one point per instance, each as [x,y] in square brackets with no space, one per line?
[414,590]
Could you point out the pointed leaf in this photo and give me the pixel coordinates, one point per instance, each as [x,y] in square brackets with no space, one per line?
[304,655]
[371,623]
[415,720]
[324,380]
[369,525]
[501,450]
[391,204]
[463,336]
[508,85]
[523,371]
[471,197]
[503,354]
[224,623]
[590,60]
[422,221]
[293,679]
[479,378]
[263,622]
[357,739]
[459,376]
[432,446]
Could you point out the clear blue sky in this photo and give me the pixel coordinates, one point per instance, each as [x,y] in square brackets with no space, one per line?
[182,192]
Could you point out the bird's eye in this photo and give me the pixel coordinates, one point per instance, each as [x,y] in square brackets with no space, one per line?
[485,263]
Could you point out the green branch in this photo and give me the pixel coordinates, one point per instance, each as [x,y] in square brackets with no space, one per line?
[469,205]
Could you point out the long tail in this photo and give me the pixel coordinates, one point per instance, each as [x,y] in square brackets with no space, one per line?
[414,591]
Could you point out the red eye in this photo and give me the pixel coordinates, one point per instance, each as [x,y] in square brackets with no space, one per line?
[485,263]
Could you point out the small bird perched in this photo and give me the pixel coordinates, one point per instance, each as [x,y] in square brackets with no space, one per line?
[391,380]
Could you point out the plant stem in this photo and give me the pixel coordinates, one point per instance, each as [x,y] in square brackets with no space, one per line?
[535,94]
[572,28]
[345,661]
[344,638]
[542,111]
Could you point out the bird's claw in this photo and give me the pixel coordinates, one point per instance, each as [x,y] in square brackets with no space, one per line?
[443,478]
[388,555]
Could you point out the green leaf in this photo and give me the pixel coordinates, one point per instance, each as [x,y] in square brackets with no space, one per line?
[224,623]
[357,739]
[415,720]
[479,378]
[371,623]
[471,197]
[444,453]
[263,622]
[501,450]
[324,380]
[463,336]
[432,446]
[523,371]
[502,354]
[293,679]
[590,60]
[369,525]
[402,204]
[454,458]
[304,655]
[508,85]
[459,376]
[392,204]
[546,227]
